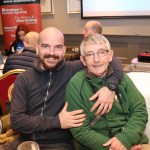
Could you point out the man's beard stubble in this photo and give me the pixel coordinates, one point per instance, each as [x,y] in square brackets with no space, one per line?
[54,67]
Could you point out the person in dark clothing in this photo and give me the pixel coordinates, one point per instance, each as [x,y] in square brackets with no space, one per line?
[25,59]
[38,109]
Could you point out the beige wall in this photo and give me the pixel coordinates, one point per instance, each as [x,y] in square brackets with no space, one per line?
[73,24]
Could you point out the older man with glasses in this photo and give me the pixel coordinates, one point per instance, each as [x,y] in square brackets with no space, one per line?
[122,128]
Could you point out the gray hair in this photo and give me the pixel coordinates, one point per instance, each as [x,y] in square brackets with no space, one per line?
[94,39]
[31,38]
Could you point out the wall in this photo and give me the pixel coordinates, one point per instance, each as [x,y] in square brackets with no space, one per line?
[73,24]
[128,37]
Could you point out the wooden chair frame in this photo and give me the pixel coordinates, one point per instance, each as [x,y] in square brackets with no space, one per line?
[8,87]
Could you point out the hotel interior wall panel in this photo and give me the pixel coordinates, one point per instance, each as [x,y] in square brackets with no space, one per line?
[120,50]
[144,47]
[73,39]
[125,47]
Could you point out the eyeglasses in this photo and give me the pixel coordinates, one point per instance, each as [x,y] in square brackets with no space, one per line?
[100,53]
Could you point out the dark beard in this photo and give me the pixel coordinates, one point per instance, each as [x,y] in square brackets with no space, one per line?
[51,68]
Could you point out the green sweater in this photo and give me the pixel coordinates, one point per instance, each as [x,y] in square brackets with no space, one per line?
[129,132]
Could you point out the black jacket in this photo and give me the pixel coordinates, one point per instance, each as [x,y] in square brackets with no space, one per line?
[33,116]
[23,60]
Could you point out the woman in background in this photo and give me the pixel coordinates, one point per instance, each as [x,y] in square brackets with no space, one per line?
[17,45]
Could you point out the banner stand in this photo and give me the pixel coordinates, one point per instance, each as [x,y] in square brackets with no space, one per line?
[15,12]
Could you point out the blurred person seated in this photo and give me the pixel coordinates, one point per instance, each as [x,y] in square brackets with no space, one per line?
[92,27]
[18,44]
[123,127]
[25,59]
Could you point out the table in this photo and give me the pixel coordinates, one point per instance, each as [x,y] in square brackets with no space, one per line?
[142,82]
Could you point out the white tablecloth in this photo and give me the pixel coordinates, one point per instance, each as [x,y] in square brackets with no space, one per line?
[142,82]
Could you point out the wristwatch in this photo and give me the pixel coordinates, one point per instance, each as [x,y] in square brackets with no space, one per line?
[111,86]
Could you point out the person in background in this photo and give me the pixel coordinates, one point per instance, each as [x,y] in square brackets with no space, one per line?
[25,59]
[92,27]
[38,109]
[18,45]
[122,128]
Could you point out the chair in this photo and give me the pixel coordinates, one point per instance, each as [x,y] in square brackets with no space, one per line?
[10,90]
[6,87]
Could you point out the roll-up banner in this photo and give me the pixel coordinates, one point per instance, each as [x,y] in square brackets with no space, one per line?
[15,12]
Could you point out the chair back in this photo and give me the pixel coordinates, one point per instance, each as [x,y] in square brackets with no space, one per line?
[10,90]
[6,86]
